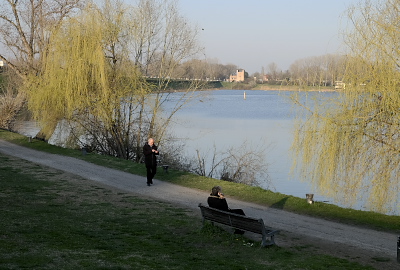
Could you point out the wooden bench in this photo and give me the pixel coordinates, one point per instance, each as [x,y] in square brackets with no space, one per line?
[239,222]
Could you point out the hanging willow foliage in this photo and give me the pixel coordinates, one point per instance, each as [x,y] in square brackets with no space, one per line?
[350,150]
[87,75]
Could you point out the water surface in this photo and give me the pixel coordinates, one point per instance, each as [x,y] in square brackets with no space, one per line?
[264,119]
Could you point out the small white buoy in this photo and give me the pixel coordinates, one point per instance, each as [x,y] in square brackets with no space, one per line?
[244,95]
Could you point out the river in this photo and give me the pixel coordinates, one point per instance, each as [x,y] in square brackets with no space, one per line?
[263,119]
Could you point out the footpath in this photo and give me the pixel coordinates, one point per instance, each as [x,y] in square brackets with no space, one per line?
[339,239]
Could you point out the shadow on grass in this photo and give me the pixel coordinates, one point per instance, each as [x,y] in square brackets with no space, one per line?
[280,204]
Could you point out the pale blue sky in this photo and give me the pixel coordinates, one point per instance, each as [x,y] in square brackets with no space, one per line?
[279,31]
[254,33]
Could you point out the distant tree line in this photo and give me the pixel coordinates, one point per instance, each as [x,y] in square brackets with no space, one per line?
[322,70]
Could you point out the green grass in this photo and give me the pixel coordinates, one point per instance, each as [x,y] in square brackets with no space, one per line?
[238,191]
[53,220]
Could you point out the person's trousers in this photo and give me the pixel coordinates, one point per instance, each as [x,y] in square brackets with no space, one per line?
[151,172]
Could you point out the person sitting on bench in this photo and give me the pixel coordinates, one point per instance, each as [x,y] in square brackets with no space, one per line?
[217,200]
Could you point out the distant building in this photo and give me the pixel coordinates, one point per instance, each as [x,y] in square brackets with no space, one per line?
[238,77]
[340,85]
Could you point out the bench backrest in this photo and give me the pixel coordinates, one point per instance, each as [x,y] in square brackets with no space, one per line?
[232,219]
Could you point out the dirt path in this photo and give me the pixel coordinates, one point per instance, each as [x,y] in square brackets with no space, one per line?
[371,247]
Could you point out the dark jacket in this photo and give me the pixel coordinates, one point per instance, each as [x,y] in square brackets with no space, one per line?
[218,203]
[221,204]
[150,158]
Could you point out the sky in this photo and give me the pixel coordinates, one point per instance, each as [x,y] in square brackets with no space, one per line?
[255,33]
[252,34]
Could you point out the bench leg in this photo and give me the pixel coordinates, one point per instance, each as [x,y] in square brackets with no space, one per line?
[269,242]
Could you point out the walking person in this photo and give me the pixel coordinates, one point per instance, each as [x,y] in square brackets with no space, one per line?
[150,160]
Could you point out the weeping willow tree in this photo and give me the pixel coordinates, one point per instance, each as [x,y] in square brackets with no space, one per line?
[24,26]
[89,81]
[350,150]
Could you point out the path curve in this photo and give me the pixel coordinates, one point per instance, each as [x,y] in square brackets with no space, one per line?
[341,236]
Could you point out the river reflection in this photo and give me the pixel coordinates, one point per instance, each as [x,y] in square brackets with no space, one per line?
[263,118]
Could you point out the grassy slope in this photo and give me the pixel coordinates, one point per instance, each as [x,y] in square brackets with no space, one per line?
[54,220]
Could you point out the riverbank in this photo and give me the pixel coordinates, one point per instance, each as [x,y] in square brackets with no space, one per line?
[292,88]
[246,86]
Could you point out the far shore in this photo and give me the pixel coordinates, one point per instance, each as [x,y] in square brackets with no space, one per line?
[292,88]
[265,88]
[269,88]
